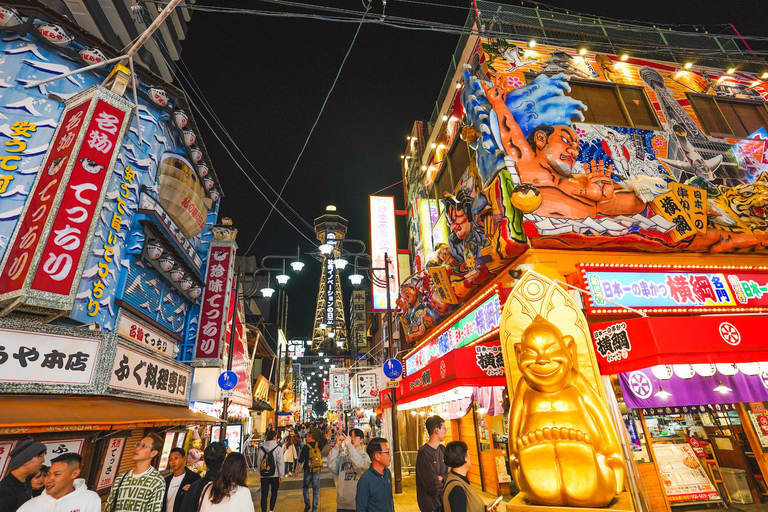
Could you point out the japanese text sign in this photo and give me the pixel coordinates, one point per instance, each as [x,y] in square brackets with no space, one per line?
[654,291]
[684,206]
[46,358]
[384,240]
[477,323]
[56,448]
[134,330]
[82,197]
[49,181]
[111,464]
[136,372]
[214,306]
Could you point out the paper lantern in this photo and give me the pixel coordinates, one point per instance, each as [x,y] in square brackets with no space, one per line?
[176,274]
[9,17]
[54,34]
[727,369]
[195,292]
[202,170]
[214,195]
[662,371]
[748,368]
[153,249]
[208,182]
[704,370]
[181,194]
[189,137]
[158,96]
[196,154]
[180,118]
[684,371]
[185,283]
[166,262]
[92,55]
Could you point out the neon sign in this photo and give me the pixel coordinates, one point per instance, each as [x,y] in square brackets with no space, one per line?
[479,322]
[384,240]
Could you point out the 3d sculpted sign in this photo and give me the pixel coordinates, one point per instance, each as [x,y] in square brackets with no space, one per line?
[564,450]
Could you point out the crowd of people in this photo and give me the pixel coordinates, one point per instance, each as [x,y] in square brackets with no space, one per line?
[360,463]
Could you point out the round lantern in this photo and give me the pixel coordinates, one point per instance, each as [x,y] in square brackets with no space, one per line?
[9,17]
[189,137]
[54,34]
[684,371]
[704,370]
[166,262]
[154,249]
[727,369]
[196,154]
[176,274]
[208,182]
[92,55]
[214,195]
[158,96]
[195,292]
[202,170]
[185,283]
[181,119]
[662,371]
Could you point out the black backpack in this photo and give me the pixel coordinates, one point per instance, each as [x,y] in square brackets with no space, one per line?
[268,466]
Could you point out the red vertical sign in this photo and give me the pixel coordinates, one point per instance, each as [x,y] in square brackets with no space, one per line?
[213,309]
[77,210]
[51,176]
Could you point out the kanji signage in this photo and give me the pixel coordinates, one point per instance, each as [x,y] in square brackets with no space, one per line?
[479,365]
[46,358]
[668,290]
[138,373]
[134,330]
[44,263]
[339,378]
[214,306]
[367,387]
[384,240]
[5,450]
[685,207]
[478,322]
[357,318]
[111,464]
[56,448]
[635,343]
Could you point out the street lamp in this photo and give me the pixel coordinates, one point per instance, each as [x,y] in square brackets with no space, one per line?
[267,291]
[326,249]
[297,266]
[283,278]
[340,263]
[356,278]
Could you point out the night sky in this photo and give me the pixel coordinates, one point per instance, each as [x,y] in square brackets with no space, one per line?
[266,78]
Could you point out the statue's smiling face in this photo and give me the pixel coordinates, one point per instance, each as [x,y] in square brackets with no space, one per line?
[545,357]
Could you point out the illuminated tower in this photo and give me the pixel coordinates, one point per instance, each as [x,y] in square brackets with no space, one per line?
[330,328]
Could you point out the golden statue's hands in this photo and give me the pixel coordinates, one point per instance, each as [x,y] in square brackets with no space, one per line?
[599,186]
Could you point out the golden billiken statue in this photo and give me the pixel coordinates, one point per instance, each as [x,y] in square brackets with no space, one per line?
[564,450]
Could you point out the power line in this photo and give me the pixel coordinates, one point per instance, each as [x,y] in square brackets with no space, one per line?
[314,125]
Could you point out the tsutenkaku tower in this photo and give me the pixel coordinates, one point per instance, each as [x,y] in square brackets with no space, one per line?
[330,328]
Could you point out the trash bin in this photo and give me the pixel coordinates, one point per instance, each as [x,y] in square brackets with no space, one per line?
[738,487]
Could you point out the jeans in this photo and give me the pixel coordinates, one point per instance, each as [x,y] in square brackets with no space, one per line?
[289,468]
[268,483]
[312,479]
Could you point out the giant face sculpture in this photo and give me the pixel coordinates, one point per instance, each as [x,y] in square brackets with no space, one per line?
[564,450]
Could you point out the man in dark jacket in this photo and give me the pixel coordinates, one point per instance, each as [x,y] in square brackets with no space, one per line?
[26,459]
[374,489]
[430,468]
[214,457]
[178,482]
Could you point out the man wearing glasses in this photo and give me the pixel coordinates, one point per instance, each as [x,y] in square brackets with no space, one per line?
[374,489]
[142,488]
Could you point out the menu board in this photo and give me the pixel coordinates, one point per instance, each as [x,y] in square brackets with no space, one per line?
[757,425]
[681,472]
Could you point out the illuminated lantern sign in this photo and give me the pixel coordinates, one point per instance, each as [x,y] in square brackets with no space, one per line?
[479,322]
[668,290]
[213,308]
[384,240]
[70,190]
[330,291]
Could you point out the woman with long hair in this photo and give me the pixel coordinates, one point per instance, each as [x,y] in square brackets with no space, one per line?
[228,492]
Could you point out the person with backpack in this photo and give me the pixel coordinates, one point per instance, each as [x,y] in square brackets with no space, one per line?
[271,468]
[312,459]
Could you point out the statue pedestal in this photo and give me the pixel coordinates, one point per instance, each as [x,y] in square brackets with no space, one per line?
[623,503]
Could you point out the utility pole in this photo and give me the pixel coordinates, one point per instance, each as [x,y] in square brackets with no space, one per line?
[231,352]
[390,353]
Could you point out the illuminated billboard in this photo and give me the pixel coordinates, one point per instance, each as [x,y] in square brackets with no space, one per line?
[384,241]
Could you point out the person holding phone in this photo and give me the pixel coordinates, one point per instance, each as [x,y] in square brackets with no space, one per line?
[458,493]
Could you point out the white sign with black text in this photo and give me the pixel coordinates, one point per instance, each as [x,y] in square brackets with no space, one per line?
[134,371]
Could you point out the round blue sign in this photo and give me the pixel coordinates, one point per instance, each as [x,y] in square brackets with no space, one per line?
[393,368]
[228,380]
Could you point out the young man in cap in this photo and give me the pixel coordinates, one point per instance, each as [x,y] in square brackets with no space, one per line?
[179,481]
[142,488]
[26,459]
[64,491]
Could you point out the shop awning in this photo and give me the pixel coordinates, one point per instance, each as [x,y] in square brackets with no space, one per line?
[260,405]
[476,366]
[50,413]
[632,344]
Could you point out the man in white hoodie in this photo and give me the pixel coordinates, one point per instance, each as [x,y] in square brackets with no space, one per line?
[348,460]
[64,491]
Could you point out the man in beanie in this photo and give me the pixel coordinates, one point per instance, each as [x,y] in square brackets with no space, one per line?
[26,459]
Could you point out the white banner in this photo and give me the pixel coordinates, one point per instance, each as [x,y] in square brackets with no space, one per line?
[366,388]
[339,388]
[56,448]
[46,358]
[111,463]
[134,371]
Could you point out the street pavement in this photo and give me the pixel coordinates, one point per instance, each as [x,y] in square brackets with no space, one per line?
[290,498]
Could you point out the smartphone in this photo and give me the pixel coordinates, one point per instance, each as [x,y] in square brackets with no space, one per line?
[496,502]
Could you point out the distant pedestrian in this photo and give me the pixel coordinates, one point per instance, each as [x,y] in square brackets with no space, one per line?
[269,460]
[459,495]
[27,458]
[290,454]
[37,482]
[312,460]
[348,460]
[430,468]
[142,488]
[374,490]
[179,481]
[229,490]
[214,457]
[64,491]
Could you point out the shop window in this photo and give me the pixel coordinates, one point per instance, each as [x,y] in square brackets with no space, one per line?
[729,117]
[613,104]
